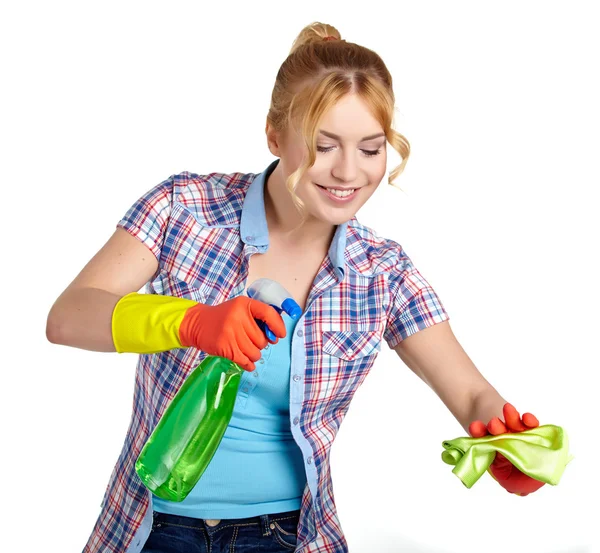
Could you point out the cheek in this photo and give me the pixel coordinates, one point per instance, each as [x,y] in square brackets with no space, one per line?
[377,174]
[291,157]
[320,171]
[313,175]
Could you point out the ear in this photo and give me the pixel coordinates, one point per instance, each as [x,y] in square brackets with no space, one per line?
[274,140]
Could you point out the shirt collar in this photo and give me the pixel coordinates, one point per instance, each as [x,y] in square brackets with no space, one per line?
[253,224]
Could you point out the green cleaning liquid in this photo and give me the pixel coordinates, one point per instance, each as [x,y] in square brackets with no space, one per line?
[190,430]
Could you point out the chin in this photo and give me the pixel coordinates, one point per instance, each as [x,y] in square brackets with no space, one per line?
[337,218]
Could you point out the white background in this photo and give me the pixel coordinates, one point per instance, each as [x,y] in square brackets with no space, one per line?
[101,101]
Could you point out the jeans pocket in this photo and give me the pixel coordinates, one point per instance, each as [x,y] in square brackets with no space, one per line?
[170,538]
[285,532]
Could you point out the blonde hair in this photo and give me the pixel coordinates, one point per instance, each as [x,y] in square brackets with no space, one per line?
[316,74]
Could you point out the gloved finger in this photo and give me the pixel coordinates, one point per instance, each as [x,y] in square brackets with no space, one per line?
[477,429]
[252,334]
[268,314]
[227,347]
[512,419]
[530,421]
[496,426]
[248,366]
[244,361]
[239,358]
[249,348]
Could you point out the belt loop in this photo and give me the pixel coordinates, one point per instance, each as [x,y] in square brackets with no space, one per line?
[264,523]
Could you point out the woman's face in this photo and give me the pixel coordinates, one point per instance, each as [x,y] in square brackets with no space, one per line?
[351,158]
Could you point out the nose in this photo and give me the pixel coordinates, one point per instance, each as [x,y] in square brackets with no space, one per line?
[345,167]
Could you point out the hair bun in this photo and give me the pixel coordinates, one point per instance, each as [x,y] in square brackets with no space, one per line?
[316,32]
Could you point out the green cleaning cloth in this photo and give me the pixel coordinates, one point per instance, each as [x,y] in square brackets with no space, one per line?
[540,452]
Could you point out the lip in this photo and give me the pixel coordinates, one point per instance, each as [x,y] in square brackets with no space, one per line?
[335,198]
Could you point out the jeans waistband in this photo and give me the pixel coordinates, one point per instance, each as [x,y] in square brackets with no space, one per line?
[198,523]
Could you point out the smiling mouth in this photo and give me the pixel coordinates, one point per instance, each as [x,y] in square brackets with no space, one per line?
[339,193]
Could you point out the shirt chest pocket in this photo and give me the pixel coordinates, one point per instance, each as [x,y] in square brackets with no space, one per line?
[351,345]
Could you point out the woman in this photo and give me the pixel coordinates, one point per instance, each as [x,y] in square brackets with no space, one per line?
[196,242]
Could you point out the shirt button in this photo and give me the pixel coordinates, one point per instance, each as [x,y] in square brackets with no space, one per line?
[250,238]
[244,389]
[255,373]
[296,420]
[296,377]
[262,361]
[309,460]
[300,333]
[267,346]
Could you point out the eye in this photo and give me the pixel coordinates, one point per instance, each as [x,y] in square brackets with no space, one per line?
[368,153]
[324,149]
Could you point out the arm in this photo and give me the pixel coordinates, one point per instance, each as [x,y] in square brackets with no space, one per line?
[98,312]
[81,316]
[436,357]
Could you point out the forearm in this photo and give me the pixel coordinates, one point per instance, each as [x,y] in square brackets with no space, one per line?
[81,318]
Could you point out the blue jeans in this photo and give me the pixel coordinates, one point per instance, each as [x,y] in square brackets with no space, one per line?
[274,533]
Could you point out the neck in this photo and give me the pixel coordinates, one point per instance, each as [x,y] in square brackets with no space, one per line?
[283,218]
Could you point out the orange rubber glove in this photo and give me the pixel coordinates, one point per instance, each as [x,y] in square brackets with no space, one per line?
[502,470]
[229,329]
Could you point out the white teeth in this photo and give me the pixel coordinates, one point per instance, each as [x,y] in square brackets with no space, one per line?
[339,193]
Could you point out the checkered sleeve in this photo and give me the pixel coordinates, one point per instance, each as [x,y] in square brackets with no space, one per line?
[413,303]
[147,218]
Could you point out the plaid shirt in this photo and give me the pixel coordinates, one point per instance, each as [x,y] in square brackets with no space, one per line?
[203,229]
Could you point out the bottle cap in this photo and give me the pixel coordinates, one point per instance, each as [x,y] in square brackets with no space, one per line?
[292,308]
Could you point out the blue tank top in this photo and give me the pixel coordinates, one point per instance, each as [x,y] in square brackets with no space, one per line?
[258,467]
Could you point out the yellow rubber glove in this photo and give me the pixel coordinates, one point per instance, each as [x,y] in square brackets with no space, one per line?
[148,323]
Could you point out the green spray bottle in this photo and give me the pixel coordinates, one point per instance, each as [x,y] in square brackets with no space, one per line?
[191,429]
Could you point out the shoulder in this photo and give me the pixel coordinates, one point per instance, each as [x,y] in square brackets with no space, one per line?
[213,198]
[370,254]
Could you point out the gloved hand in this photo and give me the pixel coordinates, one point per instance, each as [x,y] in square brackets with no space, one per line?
[229,329]
[150,323]
[502,470]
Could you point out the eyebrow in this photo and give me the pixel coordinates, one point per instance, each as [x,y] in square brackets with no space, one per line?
[336,137]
